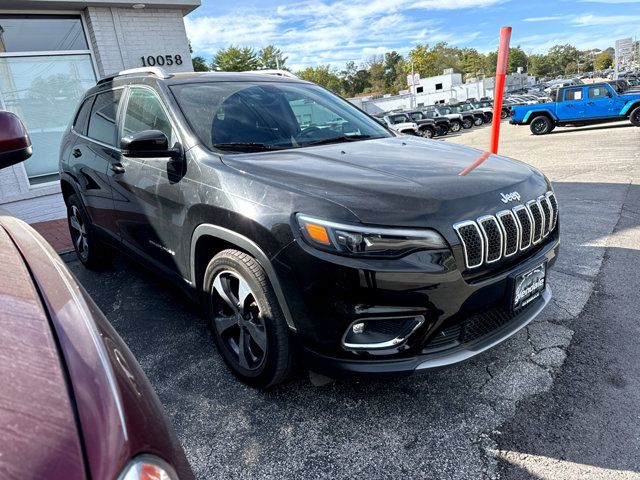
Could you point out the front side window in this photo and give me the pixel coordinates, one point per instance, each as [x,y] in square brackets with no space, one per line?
[145,112]
[103,118]
[598,92]
[253,116]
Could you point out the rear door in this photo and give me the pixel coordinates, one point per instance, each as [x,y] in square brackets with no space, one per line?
[148,194]
[92,155]
[572,106]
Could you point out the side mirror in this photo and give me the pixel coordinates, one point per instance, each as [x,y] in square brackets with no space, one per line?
[147,144]
[15,144]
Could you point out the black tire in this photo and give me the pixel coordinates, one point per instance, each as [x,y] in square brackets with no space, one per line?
[253,337]
[477,121]
[93,254]
[634,117]
[428,132]
[456,126]
[442,130]
[488,117]
[541,125]
[467,123]
[504,114]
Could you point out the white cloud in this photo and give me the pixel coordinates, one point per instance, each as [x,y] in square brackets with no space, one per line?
[590,19]
[543,19]
[322,31]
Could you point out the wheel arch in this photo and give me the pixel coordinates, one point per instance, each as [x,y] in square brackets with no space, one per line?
[208,238]
[538,113]
[68,188]
[630,107]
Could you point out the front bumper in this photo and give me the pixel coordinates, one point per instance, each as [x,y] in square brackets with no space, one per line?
[326,298]
[458,352]
[516,122]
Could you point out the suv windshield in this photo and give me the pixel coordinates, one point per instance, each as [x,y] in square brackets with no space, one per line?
[257,116]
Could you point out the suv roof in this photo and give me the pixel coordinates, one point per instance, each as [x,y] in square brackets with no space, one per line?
[149,75]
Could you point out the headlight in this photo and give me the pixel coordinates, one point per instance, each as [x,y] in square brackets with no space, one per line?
[148,467]
[361,241]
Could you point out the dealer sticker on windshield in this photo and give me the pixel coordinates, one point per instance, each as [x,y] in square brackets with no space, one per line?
[529,286]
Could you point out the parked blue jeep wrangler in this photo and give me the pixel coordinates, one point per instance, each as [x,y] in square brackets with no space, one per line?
[577,106]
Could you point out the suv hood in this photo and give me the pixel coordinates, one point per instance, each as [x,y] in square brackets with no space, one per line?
[403,181]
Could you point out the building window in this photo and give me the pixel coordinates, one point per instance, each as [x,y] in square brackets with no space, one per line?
[45,68]
[438,86]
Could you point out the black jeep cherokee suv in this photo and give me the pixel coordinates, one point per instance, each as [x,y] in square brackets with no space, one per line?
[306,229]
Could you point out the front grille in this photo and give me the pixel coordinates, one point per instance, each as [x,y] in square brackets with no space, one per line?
[492,237]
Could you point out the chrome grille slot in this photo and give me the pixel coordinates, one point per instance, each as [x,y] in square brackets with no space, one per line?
[538,221]
[554,209]
[525,222]
[472,243]
[493,237]
[546,213]
[510,231]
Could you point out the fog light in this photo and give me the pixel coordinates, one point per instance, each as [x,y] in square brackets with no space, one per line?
[380,332]
[358,328]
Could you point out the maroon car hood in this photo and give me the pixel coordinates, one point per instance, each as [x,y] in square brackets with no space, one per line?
[38,432]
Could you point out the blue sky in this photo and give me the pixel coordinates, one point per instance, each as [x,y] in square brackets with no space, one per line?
[314,32]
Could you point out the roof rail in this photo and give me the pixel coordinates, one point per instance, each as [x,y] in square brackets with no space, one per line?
[156,71]
[279,73]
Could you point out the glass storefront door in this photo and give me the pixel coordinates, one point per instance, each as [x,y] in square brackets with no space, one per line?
[45,67]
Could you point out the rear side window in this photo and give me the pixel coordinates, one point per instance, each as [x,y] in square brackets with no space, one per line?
[80,123]
[573,94]
[103,118]
[598,92]
[145,112]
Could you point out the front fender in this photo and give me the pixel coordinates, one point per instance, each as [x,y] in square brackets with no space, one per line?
[630,105]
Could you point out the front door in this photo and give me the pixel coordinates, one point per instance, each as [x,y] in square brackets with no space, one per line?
[572,106]
[148,198]
[601,102]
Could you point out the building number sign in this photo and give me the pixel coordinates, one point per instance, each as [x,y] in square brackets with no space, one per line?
[161,60]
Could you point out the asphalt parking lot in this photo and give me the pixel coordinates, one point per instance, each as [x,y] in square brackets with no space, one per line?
[558,400]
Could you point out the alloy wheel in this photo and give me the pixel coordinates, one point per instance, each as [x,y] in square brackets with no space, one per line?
[455,127]
[238,320]
[540,126]
[78,233]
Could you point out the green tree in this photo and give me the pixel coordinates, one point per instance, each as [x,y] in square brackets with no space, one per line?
[354,80]
[603,61]
[517,58]
[235,59]
[540,65]
[199,64]
[473,63]
[395,78]
[432,62]
[271,57]
[562,55]
[376,66]
[323,75]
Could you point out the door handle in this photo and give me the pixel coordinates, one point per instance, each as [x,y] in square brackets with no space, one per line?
[590,103]
[569,105]
[117,168]
[76,152]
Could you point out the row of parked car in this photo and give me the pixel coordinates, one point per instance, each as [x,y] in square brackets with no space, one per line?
[439,120]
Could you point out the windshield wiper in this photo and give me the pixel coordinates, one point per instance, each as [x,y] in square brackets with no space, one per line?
[339,139]
[250,146]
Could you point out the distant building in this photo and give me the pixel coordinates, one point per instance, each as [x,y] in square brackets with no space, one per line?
[440,89]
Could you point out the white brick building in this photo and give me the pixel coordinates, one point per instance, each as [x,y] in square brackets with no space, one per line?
[51,51]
